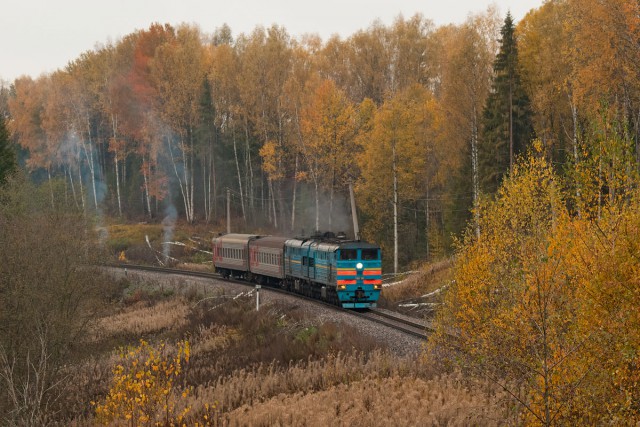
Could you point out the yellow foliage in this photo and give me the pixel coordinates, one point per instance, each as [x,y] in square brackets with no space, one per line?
[270,154]
[145,387]
[546,303]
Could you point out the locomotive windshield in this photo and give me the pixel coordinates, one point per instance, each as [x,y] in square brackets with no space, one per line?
[348,254]
[369,254]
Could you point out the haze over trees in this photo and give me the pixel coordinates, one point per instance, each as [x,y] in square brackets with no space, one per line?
[167,119]
[522,139]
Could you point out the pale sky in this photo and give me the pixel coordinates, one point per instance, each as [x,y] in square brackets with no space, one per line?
[40,36]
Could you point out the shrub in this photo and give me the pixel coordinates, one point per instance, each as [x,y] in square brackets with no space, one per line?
[146,387]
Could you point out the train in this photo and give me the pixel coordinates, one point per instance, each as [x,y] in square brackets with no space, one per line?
[324,266]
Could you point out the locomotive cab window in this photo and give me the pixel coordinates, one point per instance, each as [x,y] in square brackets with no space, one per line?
[369,254]
[348,254]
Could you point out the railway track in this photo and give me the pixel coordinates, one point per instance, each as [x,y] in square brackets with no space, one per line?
[399,322]
[412,326]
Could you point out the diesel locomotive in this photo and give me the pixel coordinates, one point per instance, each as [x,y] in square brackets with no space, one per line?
[328,267]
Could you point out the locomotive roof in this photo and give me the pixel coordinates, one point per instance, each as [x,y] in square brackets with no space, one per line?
[269,241]
[331,244]
[356,244]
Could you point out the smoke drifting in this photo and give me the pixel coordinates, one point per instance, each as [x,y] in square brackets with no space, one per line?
[334,217]
[168,225]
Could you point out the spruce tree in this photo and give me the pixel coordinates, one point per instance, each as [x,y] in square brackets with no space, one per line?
[506,119]
[7,154]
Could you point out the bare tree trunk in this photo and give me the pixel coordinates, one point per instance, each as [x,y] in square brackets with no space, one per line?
[331,209]
[273,203]
[73,187]
[235,153]
[576,158]
[182,183]
[205,188]
[427,224]
[395,208]
[189,175]
[146,176]
[293,203]
[208,180]
[88,152]
[53,204]
[510,127]
[474,171]
[114,125]
[315,182]
[84,206]
[249,168]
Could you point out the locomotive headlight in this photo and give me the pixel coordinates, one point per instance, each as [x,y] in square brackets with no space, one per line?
[359,266]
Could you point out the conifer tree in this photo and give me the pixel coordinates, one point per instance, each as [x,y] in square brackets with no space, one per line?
[506,120]
[7,154]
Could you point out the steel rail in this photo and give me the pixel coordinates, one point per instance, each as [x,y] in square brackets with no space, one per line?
[382,317]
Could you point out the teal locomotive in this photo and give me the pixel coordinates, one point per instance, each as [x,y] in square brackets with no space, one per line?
[328,267]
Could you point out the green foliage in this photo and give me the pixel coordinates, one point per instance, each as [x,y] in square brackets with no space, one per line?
[506,120]
[7,153]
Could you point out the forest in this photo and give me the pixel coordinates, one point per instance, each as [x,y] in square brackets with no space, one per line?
[425,122]
[513,146]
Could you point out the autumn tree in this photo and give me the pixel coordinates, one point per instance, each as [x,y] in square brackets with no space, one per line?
[510,304]
[26,109]
[298,92]
[506,122]
[394,167]
[178,74]
[543,42]
[265,63]
[327,143]
[464,88]
[606,94]
[139,119]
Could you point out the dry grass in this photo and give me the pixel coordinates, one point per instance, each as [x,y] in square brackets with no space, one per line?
[428,279]
[276,367]
[193,242]
[142,319]
[356,389]
[392,401]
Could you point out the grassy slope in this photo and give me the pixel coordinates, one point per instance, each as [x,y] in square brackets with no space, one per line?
[275,367]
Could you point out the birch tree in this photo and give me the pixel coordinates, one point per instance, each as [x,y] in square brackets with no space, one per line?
[179,73]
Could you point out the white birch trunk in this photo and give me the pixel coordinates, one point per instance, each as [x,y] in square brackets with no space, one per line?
[84,206]
[114,124]
[88,152]
[146,176]
[273,203]
[181,183]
